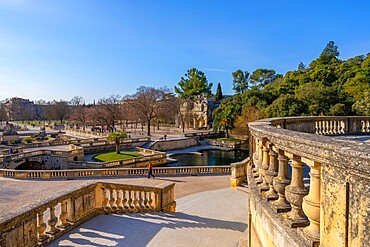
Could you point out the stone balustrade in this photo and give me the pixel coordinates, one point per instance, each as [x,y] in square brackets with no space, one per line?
[238,172]
[114,172]
[40,223]
[334,210]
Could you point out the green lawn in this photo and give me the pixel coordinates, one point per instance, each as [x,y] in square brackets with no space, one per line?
[228,139]
[114,156]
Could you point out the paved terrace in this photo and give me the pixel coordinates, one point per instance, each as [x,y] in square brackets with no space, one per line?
[209,213]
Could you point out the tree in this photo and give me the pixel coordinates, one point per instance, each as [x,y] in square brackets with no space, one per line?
[362,106]
[108,111]
[147,101]
[302,67]
[218,95]
[262,77]
[81,114]
[224,117]
[117,137]
[58,110]
[240,81]
[193,84]
[3,114]
[76,101]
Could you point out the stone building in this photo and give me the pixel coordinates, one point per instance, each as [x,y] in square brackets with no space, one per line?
[198,113]
[19,109]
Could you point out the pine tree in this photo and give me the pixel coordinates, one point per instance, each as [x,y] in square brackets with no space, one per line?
[218,95]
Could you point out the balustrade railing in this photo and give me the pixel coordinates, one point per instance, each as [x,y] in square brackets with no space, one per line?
[44,221]
[334,209]
[114,172]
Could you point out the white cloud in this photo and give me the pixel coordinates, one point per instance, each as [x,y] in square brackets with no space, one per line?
[213,69]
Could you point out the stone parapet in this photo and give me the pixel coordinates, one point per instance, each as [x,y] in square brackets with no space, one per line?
[39,223]
[335,209]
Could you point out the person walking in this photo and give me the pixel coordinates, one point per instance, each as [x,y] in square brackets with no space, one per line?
[150,170]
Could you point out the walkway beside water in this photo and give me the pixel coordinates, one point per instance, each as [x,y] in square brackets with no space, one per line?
[212,218]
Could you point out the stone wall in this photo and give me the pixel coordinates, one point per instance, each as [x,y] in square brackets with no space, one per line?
[174,144]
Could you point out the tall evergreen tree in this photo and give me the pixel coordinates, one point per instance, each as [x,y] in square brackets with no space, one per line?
[194,84]
[218,95]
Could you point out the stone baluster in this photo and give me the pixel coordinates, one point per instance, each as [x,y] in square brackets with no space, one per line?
[258,175]
[280,182]
[141,201]
[317,123]
[53,220]
[41,227]
[264,167]
[105,200]
[130,201]
[63,216]
[311,202]
[145,200]
[136,201]
[112,200]
[271,173]
[124,201]
[295,192]
[150,200]
[119,201]
[255,155]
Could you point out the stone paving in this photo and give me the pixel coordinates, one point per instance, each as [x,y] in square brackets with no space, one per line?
[213,218]
[14,193]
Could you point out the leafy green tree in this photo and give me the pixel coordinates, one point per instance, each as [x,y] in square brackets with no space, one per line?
[362,106]
[285,106]
[193,84]
[240,81]
[218,95]
[117,138]
[224,117]
[262,77]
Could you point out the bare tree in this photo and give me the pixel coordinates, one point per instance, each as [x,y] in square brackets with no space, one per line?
[82,114]
[76,101]
[58,110]
[108,111]
[147,101]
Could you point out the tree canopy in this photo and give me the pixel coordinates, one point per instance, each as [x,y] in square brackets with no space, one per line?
[193,84]
[328,86]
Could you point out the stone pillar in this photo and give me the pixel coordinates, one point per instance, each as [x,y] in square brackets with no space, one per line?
[311,202]
[63,214]
[52,221]
[264,167]
[255,154]
[271,173]
[259,163]
[295,193]
[41,227]
[280,182]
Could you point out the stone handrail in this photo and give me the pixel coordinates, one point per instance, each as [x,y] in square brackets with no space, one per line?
[42,222]
[334,211]
[114,172]
[239,172]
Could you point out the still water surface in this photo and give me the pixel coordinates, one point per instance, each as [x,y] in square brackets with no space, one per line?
[209,158]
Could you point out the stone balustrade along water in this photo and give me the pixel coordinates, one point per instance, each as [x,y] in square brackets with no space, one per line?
[334,210]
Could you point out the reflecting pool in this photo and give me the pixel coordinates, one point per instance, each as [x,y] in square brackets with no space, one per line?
[209,158]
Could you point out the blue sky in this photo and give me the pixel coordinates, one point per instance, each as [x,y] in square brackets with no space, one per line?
[62,48]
